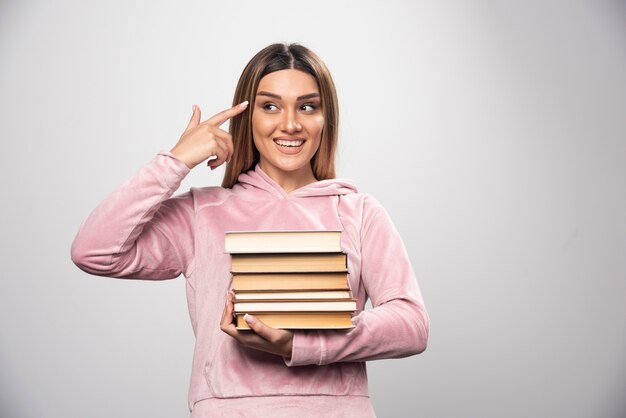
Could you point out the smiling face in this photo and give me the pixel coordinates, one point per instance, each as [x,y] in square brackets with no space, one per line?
[287,124]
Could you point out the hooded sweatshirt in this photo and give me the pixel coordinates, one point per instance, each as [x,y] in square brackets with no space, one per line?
[141,232]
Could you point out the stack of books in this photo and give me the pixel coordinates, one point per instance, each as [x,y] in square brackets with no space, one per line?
[291,279]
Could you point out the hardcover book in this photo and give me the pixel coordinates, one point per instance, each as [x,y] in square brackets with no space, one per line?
[293,295]
[297,320]
[290,281]
[237,242]
[295,306]
[288,262]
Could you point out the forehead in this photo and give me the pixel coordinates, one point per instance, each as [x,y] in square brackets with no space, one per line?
[287,83]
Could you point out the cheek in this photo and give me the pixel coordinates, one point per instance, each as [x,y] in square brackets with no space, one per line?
[260,122]
[317,125]
[261,128]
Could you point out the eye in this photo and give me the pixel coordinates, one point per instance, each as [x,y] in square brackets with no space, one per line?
[309,107]
[270,106]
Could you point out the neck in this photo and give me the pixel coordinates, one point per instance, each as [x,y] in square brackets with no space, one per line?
[289,180]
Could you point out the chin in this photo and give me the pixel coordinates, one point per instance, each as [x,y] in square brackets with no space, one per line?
[292,167]
[289,165]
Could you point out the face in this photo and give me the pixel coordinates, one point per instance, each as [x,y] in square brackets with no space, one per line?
[287,123]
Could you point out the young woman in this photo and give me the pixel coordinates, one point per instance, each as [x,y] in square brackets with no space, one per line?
[280,175]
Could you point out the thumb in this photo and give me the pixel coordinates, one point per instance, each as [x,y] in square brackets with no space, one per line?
[258,326]
[195,118]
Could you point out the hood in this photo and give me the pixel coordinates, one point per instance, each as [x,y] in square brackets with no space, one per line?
[258,182]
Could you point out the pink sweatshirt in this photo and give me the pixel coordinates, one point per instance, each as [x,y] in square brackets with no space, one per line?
[141,232]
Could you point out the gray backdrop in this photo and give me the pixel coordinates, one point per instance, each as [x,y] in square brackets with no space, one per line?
[493,132]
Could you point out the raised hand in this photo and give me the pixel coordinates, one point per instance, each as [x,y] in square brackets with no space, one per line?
[262,337]
[203,140]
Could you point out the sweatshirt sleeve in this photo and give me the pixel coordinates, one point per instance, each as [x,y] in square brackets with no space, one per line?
[139,231]
[398,324]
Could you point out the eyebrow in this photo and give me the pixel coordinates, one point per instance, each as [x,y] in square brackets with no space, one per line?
[276,96]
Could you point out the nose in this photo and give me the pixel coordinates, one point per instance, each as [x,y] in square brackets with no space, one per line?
[290,122]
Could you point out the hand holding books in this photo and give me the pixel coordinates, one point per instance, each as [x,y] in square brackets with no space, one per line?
[264,338]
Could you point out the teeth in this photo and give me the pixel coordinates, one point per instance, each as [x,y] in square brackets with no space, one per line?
[289,143]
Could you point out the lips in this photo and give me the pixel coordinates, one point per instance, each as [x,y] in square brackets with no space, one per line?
[289,145]
[289,142]
[284,143]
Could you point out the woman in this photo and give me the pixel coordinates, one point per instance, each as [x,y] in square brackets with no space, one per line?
[279,176]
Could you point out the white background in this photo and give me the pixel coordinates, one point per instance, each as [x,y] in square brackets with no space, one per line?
[493,132]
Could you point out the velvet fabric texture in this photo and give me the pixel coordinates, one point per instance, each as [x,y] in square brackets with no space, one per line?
[141,232]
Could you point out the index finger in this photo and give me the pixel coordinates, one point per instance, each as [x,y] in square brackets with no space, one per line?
[224,115]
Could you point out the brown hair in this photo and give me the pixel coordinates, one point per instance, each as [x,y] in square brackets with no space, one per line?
[273,58]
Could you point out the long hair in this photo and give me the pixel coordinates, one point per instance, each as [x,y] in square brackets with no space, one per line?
[273,58]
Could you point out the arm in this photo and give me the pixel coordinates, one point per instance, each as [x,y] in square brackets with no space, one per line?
[397,326]
[138,231]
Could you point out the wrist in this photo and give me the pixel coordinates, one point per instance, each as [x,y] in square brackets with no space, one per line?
[288,349]
[180,156]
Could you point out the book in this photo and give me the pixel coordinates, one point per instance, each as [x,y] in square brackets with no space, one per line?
[293,295]
[299,320]
[295,306]
[290,281]
[288,263]
[282,241]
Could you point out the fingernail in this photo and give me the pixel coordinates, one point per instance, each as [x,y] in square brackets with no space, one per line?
[243,104]
[249,319]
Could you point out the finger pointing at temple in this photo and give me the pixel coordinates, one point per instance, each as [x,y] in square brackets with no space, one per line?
[220,118]
[202,140]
